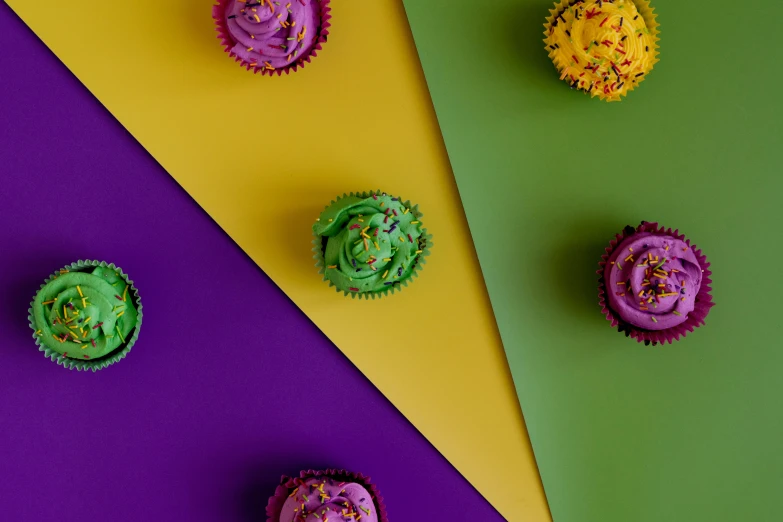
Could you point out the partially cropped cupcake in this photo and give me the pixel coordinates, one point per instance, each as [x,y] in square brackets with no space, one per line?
[654,286]
[330,496]
[272,37]
[86,315]
[369,244]
[605,48]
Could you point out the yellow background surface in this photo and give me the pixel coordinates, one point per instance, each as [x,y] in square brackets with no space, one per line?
[264,155]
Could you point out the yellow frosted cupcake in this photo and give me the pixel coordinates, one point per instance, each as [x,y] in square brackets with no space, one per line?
[605,48]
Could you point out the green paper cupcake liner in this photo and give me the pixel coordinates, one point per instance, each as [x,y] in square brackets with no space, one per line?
[109,359]
[425,243]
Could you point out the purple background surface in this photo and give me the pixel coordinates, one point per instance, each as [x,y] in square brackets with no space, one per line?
[229,386]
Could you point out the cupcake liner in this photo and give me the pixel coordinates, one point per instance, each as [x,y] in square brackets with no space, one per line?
[695,319]
[650,20]
[425,243]
[228,43]
[275,505]
[109,359]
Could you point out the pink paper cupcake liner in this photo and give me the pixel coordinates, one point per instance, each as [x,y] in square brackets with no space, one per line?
[695,319]
[287,484]
[228,43]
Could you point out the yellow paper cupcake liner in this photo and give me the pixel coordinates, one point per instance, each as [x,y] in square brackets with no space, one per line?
[650,19]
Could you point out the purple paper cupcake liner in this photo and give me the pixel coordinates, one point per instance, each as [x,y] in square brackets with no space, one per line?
[695,319]
[228,42]
[288,484]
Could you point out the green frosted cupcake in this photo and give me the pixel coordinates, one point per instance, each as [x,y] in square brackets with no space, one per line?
[86,315]
[369,244]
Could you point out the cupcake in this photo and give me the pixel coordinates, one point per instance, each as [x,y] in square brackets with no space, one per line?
[86,315]
[654,286]
[369,244]
[272,37]
[329,495]
[605,48]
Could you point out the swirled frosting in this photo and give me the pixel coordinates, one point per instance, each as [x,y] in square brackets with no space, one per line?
[272,35]
[372,243]
[601,47]
[84,315]
[652,281]
[327,500]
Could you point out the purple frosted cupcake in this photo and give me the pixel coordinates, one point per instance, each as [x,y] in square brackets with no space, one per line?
[653,285]
[328,495]
[272,37]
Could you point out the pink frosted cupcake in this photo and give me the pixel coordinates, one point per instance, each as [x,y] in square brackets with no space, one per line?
[653,285]
[272,36]
[328,495]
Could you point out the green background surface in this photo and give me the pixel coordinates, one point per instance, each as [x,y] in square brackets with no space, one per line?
[622,432]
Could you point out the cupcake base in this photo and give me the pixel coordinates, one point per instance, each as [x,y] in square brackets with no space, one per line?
[695,319]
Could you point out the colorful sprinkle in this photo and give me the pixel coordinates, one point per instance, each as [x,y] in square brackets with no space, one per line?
[116,327]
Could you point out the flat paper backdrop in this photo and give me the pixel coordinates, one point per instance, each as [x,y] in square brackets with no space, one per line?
[264,155]
[622,432]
